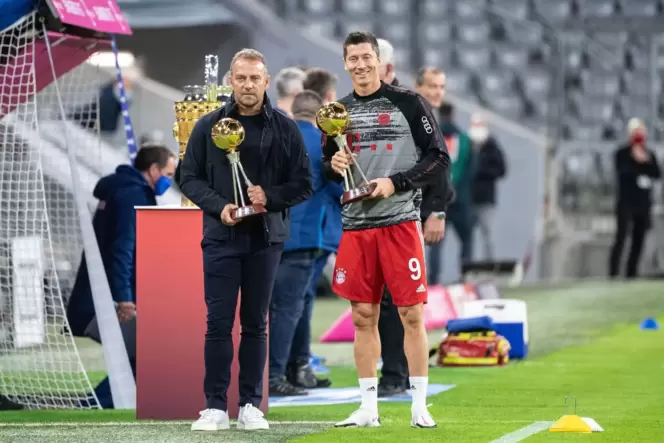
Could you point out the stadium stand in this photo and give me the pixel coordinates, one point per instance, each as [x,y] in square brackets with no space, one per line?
[500,54]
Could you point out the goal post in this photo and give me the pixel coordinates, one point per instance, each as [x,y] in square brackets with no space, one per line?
[49,146]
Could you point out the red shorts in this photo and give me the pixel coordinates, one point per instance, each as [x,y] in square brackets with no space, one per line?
[369,259]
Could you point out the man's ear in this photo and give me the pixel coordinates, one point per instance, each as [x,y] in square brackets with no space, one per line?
[267,82]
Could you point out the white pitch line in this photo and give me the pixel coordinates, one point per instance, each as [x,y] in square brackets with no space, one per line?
[136,423]
[524,433]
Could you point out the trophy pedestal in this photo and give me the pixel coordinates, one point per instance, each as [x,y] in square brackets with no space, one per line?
[172,324]
[358,193]
[248,211]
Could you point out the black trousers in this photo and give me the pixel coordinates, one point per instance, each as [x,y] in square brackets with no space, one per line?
[390,328]
[246,263]
[634,224]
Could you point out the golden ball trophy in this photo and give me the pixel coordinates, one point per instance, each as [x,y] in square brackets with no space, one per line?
[198,101]
[333,120]
[228,134]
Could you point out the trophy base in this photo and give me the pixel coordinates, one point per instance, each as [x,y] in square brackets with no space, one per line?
[248,211]
[357,194]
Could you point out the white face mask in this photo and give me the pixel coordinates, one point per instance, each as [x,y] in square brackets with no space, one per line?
[478,134]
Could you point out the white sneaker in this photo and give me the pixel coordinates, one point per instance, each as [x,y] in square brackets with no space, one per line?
[211,420]
[362,418]
[251,418]
[420,418]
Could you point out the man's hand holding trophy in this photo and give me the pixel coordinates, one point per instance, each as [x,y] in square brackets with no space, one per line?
[333,120]
[228,134]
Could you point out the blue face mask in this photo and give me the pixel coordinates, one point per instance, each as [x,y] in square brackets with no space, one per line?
[162,185]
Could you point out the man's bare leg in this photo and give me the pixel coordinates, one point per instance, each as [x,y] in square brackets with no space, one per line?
[416,346]
[367,353]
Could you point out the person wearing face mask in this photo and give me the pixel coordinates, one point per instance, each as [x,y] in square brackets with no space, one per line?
[114,223]
[489,168]
[636,169]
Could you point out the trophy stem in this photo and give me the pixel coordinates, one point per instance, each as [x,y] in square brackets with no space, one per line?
[236,179]
[235,185]
[244,175]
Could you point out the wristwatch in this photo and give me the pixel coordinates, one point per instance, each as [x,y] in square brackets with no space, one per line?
[440,215]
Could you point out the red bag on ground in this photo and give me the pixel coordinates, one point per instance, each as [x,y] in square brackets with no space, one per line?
[473,349]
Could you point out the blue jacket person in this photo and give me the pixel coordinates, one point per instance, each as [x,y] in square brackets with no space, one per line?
[115,228]
[242,254]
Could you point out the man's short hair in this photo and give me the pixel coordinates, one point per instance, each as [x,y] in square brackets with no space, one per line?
[386,52]
[320,81]
[359,37]
[306,104]
[248,54]
[446,110]
[289,82]
[422,72]
[152,153]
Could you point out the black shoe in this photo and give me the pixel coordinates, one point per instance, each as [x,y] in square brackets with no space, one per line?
[388,390]
[283,388]
[7,405]
[301,375]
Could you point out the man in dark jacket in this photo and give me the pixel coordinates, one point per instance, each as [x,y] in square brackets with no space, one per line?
[489,168]
[242,254]
[636,169]
[115,228]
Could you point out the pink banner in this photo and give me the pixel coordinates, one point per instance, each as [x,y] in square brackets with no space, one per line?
[98,15]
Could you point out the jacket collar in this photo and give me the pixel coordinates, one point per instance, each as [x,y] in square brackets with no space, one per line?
[266,110]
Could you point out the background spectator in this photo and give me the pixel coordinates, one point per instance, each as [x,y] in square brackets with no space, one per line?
[289,82]
[489,168]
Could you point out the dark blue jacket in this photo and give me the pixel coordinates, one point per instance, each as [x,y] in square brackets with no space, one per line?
[205,172]
[316,223]
[115,228]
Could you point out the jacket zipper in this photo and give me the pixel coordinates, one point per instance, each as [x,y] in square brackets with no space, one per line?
[265,227]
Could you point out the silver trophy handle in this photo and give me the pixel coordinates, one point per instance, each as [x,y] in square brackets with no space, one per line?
[236,174]
[244,175]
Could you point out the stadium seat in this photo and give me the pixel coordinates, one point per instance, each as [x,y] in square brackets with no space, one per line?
[506,105]
[530,35]
[537,84]
[497,81]
[553,11]
[318,7]
[473,57]
[470,9]
[434,34]
[640,8]
[596,8]
[396,32]
[457,81]
[395,8]
[511,56]
[473,31]
[354,7]
[437,57]
[433,9]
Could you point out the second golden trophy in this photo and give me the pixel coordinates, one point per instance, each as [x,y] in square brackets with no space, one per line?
[333,120]
[228,134]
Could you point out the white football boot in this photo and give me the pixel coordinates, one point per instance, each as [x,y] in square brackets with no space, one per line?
[420,418]
[362,418]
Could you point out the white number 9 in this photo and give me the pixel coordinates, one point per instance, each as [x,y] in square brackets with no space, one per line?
[415,268]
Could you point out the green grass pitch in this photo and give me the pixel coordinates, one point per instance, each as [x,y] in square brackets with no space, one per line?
[585,342]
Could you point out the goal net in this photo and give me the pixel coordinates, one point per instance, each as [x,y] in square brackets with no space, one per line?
[41,364]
